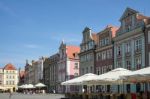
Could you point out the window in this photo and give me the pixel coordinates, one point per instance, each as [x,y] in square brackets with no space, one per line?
[87,70]
[90,44]
[87,57]
[138,44]
[127,47]
[119,64]
[86,47]
[90,56]
[103,55]
[105,69]
[13,82]
[91,69]
[107,40]
[76,66]
[82,70]
[100,43]
[109,54]
[119,50]
[128,64]
[102,70]
[81,58]
[98,70]
[76,74]
[138,62]
[103,42]
[99,55]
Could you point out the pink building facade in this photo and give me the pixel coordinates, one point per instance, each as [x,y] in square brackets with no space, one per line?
[68,66]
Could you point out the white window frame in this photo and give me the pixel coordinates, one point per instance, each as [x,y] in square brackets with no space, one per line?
[128,47]
[138,44]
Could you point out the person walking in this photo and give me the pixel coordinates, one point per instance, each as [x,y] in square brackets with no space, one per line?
[10,94]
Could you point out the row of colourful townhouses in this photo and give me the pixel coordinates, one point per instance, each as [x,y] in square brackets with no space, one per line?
[126,46]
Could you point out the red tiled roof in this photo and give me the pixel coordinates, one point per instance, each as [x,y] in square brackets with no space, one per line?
[71,50]
[114,30]
[94,35]
[140,16]
[9,67]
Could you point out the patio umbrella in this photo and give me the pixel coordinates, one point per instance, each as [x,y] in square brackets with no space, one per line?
[40,85]
[24,86]
[111,77]
[80,80]
[20,86]
[27,86]
[30,86]
[138,75]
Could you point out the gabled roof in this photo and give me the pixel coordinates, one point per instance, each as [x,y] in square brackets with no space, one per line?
[86,29]
[140,17]
[9,67]
[114,30]
[71,50]
[111,28]
[127,12]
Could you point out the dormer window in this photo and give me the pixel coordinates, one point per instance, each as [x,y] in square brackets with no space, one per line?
[107,41]
[90,44]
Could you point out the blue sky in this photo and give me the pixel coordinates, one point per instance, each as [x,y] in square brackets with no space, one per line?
[30,29]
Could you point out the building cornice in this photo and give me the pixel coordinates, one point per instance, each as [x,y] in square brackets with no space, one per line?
[103,48]
[129,34]
[129,38]
[86,52]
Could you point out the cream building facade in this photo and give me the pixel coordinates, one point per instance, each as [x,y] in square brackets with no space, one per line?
[10,77]
[1,77]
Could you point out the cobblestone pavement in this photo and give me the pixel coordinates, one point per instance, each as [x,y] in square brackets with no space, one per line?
[30,96]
